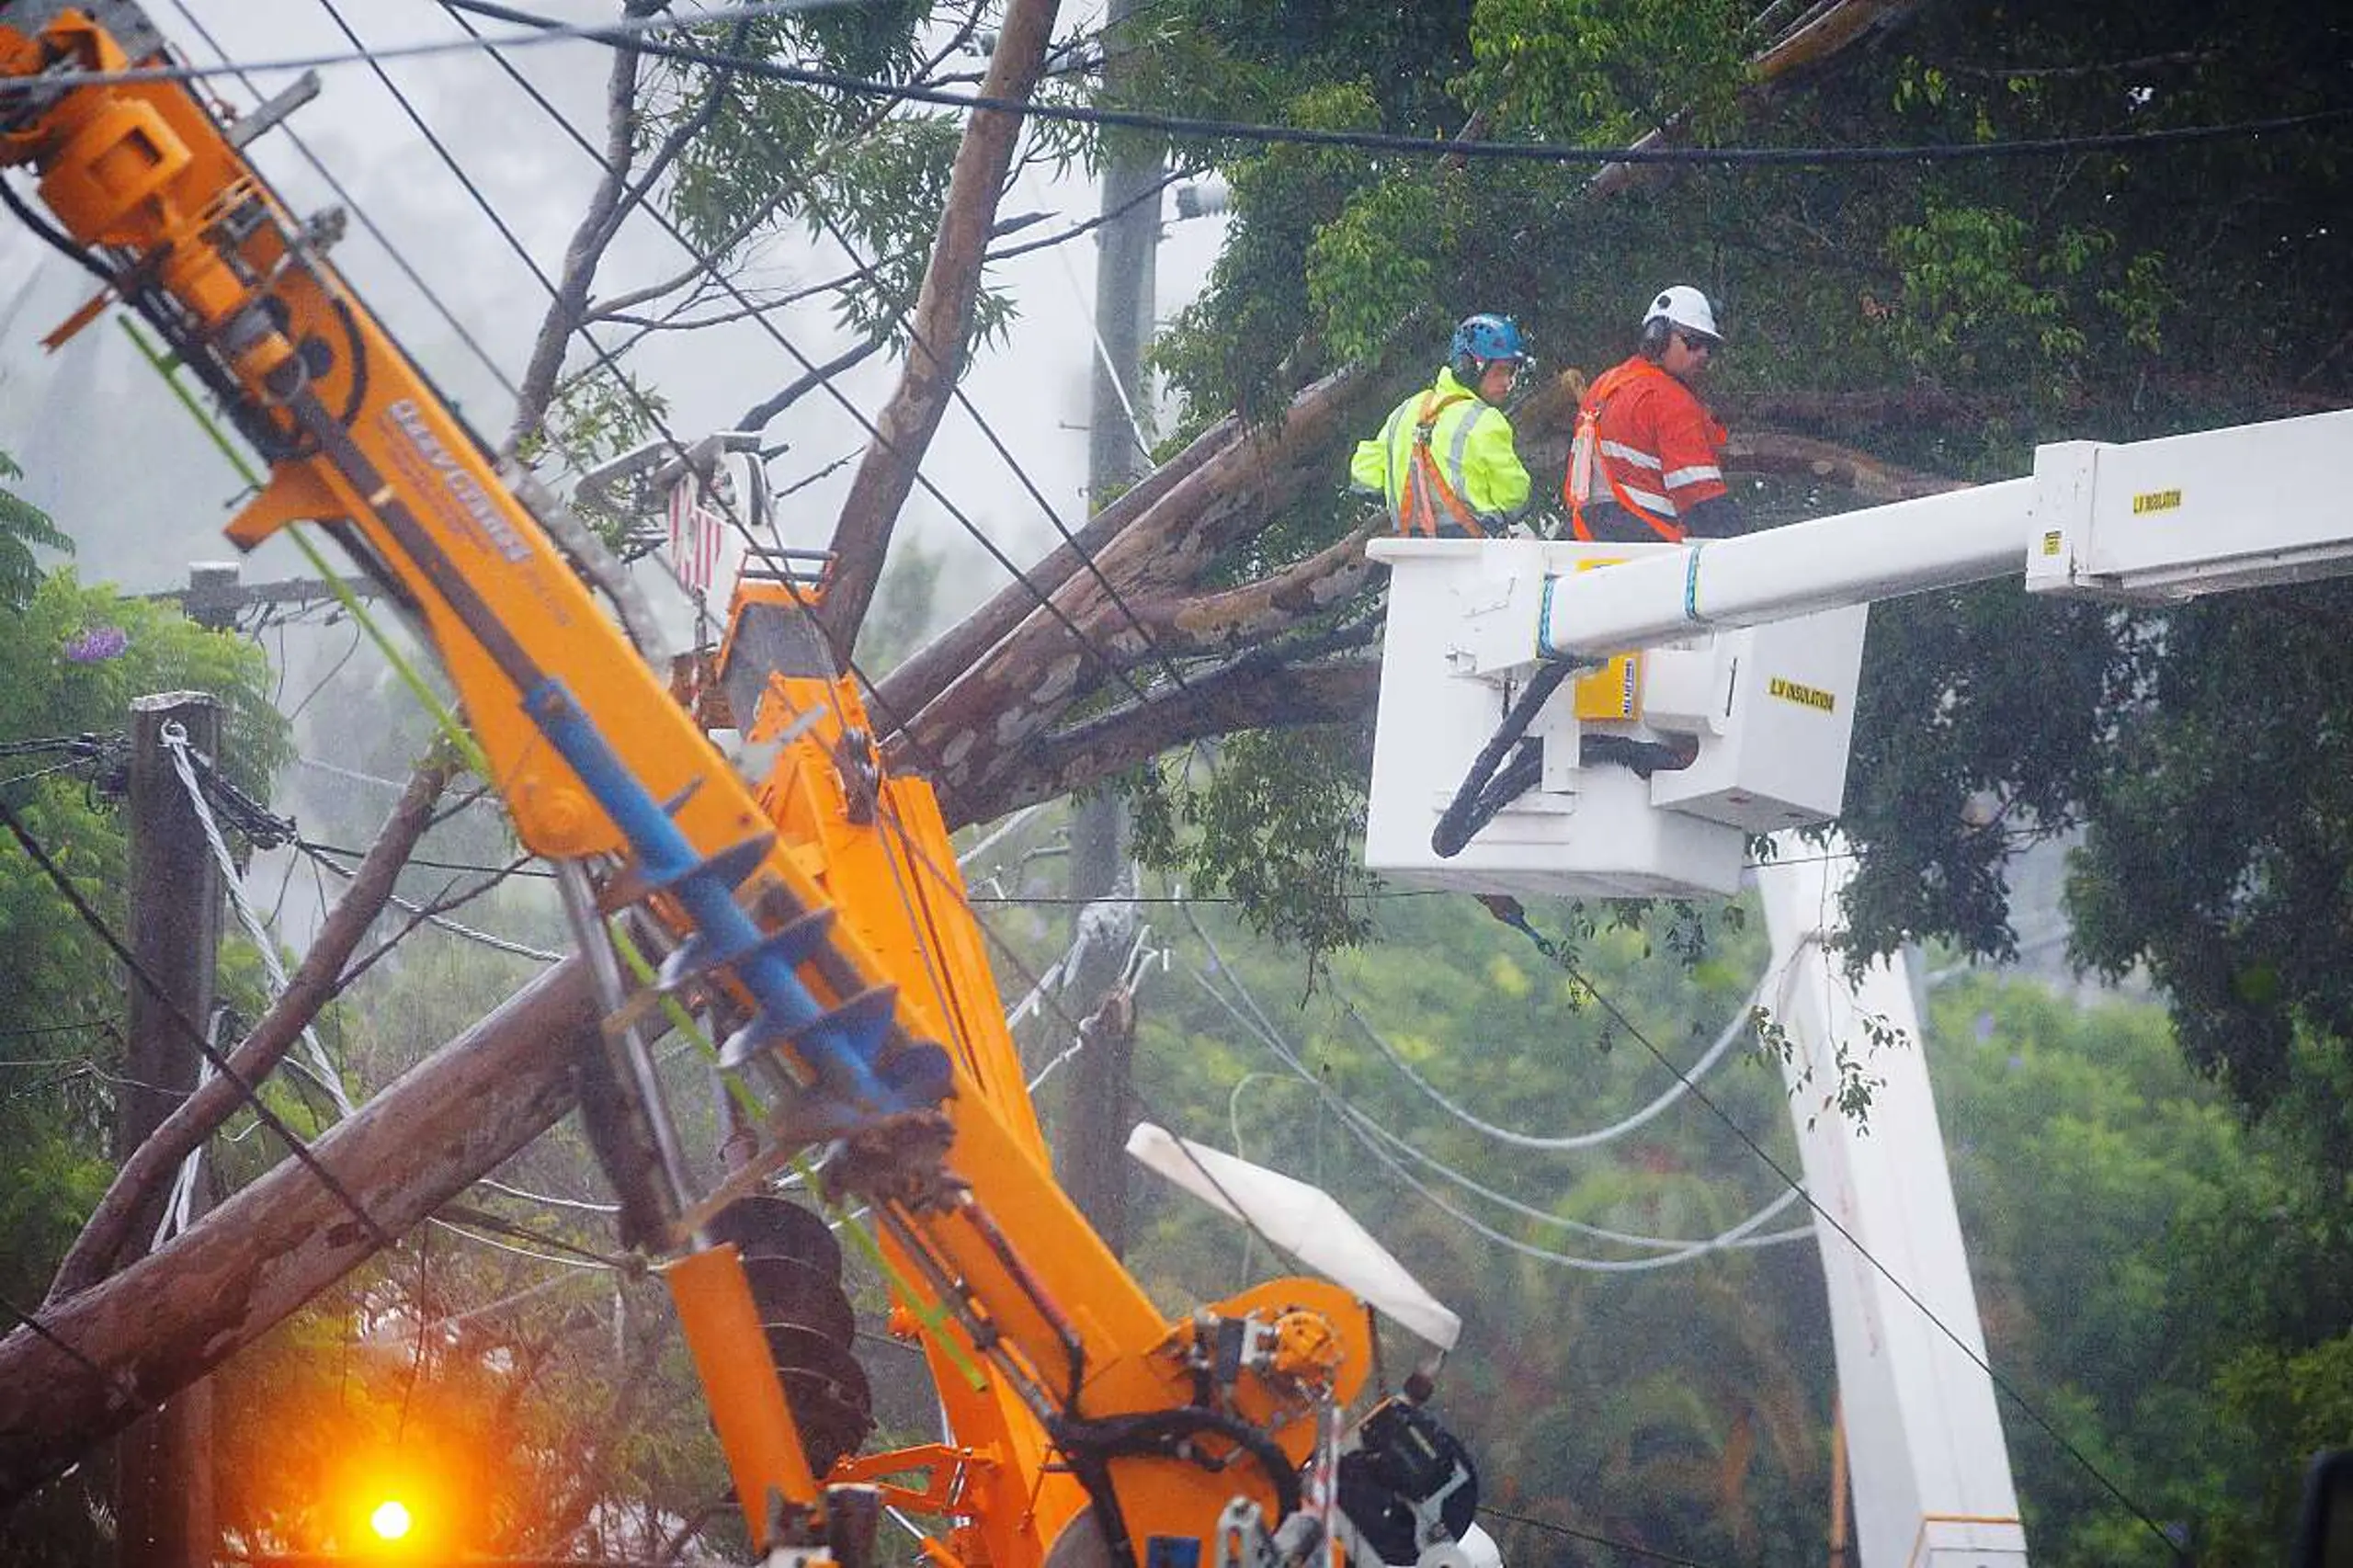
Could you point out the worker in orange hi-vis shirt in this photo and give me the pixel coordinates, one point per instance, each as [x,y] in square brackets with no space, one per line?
[1647,463]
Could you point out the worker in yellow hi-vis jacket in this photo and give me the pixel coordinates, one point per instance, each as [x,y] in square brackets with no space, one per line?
[1445,461]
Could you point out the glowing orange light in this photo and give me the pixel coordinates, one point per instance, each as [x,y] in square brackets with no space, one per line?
[391,1520]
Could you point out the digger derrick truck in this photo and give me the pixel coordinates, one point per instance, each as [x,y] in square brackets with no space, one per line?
[814,909]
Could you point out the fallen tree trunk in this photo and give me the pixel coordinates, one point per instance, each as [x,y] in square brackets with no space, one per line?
[178,1314]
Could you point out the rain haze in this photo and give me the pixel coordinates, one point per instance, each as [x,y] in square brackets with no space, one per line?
[142,490]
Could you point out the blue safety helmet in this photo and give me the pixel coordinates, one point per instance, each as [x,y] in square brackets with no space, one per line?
[1489,337]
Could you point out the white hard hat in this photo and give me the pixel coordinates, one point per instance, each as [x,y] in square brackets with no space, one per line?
[1687,308]
[1480,1549]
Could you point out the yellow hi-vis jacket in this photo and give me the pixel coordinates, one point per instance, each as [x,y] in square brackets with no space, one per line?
[1465,479]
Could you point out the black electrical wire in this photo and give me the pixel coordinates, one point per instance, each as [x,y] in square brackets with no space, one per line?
[1482,791]
[1566,1533]
[759,315]
[1229,130]
[1379,141]
[72,1352]
[1510,914]
[186,1026]
[965,401]
[351,205]
[54,237]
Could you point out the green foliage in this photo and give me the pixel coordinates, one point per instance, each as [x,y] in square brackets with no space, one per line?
[59,1029]
[598,413]
[23,526]
[1606,71]
[773,153]
[1274,826]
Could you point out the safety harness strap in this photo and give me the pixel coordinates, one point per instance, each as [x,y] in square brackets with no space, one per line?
[1426,487]
[1584,460]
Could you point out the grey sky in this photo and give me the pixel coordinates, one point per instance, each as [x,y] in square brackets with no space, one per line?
[130,476]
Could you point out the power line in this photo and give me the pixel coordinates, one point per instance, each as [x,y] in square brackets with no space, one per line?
[1366,1130]
[121,1385]
[637,35]
[1569,1532]
[367,223]
[759,315]
[186,1026]
[559,32]
[1567,962]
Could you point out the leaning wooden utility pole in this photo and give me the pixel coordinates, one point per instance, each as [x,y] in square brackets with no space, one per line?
[163,1460]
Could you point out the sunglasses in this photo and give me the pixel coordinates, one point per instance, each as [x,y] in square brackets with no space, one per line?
[1697,345]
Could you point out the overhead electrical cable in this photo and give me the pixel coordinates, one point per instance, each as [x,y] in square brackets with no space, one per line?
[187,1027]
[759,315]
[1823,1216]
[1715,1052]
[351,204]
[639,34]
[1370,1135]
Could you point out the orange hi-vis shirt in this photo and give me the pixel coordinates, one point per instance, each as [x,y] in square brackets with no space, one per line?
[1645,441]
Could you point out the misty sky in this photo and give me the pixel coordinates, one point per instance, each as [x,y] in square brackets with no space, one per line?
[131,477]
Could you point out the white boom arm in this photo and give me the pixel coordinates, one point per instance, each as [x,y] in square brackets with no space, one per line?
[2157,520]
[1726,700]
[1648,776]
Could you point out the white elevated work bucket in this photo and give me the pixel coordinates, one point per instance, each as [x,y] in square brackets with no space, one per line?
[1739,732]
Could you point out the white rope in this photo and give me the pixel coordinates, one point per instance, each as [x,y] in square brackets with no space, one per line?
[394,785]
[996,835]
[520,1252]
[1681,1087]
[1132,973]
[1738,1236]
[583,1205]
[320,1069]
[180,1205]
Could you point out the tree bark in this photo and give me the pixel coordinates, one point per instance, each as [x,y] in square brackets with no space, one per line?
[919,678]
[1010,695]
[594,231]
[1255,692]
[172,1317]
[942,323]
[314,983]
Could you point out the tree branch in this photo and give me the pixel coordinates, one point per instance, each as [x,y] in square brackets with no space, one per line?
[197,1117]
[178,1314]
[589,238]
[919,678]
[942,323]
[1254,692]
[1235,619]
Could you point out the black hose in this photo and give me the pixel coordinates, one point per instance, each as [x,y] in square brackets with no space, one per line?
[1482,794]
[1092,1445]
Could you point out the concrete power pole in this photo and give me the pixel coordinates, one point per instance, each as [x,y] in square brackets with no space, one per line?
[1094,1142]
[163,1461]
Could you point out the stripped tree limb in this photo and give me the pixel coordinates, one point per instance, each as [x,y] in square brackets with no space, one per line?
[199,1116]
[589,238]
[942,326]
[179,1312]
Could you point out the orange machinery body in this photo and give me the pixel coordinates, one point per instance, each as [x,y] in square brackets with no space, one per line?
[887,864]
[141,177]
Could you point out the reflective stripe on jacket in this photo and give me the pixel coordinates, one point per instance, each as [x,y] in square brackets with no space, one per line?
[1645,441]
[1471,480]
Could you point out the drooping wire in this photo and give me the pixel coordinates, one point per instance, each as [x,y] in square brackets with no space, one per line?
[1567,962]
[546,31]
[1369,1135]
[1628,1548]
[186,1026]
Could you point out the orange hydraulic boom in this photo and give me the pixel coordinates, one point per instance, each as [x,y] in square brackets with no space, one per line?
[818,910]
